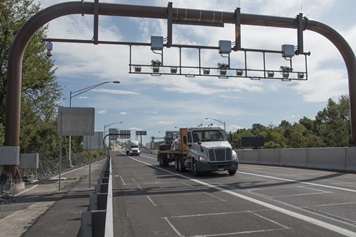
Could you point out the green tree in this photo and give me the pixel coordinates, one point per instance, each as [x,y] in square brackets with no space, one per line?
[2,131]
[333,123]
[331,128]
[296,136]
[257,128]
[40,91]
[308,124]
[274,137]
[285,124]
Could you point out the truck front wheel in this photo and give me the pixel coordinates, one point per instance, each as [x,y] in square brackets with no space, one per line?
[181,165]
[232,172]
[195,169]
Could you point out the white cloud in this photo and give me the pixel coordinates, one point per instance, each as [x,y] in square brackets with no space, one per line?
[324,85]
[165,122]
[116,92]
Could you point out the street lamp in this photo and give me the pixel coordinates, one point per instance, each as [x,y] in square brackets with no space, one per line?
[74,94]
[108,125]
[81,91]
[217,120]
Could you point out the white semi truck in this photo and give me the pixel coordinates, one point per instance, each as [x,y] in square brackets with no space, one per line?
[201,149]
[132,148]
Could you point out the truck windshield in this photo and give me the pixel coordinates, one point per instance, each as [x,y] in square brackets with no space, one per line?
[134,146]
[209,136]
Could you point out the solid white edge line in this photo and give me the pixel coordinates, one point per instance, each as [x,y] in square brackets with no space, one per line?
[69,171]
[109,220]
[26,190]
[302,217]
[301,182]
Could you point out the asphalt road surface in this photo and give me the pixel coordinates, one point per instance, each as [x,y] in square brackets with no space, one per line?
[150,200]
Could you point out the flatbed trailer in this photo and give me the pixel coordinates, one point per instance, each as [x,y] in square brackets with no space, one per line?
[167,155]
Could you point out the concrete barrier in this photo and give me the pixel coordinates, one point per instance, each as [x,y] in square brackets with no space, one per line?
[101,188]
[109,219]
[294,157]
[350,159]
[269,157]
[248,156]
[98,220]
[85,224]
[98,201]
[327,158]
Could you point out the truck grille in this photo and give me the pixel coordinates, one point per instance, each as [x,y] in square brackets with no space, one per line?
[220,154]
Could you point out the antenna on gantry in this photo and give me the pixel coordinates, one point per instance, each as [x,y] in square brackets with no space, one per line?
[301,6]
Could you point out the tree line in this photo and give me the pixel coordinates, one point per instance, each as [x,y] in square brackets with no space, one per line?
[330,128]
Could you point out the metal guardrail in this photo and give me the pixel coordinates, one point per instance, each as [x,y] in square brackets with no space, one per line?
[98,220]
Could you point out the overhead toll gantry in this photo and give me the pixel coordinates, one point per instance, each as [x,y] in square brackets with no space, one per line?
[174,16]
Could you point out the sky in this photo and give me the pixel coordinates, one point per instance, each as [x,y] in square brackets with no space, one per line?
[164,103]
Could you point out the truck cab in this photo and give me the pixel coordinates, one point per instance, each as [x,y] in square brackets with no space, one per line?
[132,148]
[209,150]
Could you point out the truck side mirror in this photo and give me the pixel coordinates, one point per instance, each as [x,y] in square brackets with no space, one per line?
[185,139]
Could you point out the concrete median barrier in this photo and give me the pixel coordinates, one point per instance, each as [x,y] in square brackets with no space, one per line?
[327,158]
[350,159]
[324,158]
[294,157]
[98,220]
[269,157]
[248,156]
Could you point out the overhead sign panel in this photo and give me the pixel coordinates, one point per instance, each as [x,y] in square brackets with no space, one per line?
[125,134]
[75,121]
[114,133]
[141,132]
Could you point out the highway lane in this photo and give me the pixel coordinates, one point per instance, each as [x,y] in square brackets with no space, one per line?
[149,200]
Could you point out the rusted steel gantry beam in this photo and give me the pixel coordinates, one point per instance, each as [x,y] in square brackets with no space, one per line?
[173,15]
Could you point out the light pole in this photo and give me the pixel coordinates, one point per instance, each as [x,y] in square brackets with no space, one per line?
[217,120]
[108,125]
[74,94]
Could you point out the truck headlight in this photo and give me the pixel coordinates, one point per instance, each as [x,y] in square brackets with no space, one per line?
[202,158]
[234,155]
